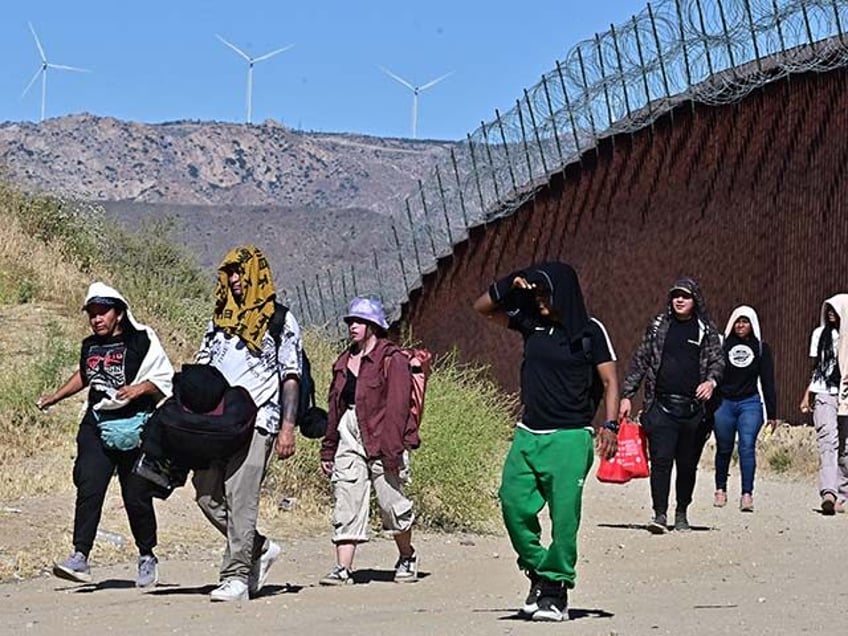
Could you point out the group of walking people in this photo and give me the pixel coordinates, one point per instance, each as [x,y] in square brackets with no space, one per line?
[127,373]
[696,381]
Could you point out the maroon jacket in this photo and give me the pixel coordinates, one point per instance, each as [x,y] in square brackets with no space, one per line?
[382,405]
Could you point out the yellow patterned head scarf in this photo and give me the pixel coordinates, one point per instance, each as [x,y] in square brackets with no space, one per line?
[249,318]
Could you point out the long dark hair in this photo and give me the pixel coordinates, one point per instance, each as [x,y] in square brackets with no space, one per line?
[827,356]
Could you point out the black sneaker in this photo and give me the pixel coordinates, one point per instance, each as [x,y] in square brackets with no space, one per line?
[658,525]
[681,523]
[553,604]
[531,603]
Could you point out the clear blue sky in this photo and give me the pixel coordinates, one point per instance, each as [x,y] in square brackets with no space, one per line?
[158,60]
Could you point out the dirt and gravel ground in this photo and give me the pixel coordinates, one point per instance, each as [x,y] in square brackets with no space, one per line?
[780,570]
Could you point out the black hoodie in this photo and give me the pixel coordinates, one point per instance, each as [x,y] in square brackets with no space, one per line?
[560,353]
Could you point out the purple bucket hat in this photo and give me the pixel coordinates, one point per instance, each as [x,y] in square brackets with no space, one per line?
[369,309]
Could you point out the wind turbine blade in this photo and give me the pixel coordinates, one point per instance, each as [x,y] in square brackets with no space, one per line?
[272,53]
[397,78]
[62,67]
[31,82]
[234,48]
[37,43]
[434,82]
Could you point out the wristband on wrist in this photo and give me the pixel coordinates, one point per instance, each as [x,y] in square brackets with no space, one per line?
[610,425]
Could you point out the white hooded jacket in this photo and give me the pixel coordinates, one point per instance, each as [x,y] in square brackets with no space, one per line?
[155,367]
[749,313]
[839,302]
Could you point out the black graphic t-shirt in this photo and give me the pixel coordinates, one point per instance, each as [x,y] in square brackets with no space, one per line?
[748,361]
[107,364]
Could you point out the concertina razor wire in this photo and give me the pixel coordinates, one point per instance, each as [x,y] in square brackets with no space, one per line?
[711,52]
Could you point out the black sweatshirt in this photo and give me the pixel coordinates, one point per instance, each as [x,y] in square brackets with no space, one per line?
[747,360]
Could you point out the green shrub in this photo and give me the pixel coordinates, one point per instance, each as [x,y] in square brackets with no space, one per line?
[464,437]
[780,460]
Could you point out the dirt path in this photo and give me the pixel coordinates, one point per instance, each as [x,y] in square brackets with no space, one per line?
[780,570]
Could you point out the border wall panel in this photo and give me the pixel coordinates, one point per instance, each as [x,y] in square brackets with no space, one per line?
[749,198]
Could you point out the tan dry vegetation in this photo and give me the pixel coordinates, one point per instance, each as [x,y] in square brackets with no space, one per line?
[30,269]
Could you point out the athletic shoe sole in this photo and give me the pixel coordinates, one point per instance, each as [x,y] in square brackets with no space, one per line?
[71,575]
[549,616]
[657,528]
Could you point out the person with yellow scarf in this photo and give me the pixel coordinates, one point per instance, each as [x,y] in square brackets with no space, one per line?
[238,343]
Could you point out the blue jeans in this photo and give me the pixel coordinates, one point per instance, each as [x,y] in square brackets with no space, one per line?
[744,417]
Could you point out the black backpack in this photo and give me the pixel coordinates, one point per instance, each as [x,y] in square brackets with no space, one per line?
[311,419]
[193,436]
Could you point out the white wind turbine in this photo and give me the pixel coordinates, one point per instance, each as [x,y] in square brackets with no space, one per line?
[416,90]
[250,62]
[42,70]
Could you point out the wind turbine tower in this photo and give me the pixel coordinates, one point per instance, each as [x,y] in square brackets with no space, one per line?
[42,70]
[416,91]
[250,62]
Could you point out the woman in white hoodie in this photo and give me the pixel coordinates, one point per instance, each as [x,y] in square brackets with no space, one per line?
[827,397]
[127,372]
[748,400]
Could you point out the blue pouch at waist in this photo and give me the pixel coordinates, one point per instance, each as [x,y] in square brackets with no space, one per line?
[120,433]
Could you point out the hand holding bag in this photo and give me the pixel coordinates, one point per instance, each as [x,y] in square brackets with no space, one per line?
[631,458]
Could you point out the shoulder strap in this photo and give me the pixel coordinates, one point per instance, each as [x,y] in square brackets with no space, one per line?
[277,323]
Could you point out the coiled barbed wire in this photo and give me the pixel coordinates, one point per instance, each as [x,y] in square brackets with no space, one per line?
[706,51]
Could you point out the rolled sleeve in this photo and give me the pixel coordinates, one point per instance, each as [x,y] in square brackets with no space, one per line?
[290,353]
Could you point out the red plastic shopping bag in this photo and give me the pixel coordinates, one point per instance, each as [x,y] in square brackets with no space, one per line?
[631,458]
[633,449]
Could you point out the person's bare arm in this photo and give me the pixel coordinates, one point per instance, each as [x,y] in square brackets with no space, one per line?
[606,441]
[69,388]
[285,444]
[488,308]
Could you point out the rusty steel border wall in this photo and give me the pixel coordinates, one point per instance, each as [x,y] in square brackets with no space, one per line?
[749,198]
[621,81]
[699,136]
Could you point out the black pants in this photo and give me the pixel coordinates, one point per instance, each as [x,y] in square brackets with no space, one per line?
[93,471]
[673,441]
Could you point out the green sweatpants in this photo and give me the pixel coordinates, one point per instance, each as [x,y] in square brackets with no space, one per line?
[546,469]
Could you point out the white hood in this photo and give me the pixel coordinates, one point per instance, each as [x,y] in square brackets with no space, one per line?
[754,319]
[155,367]
[839,302]
[750,314]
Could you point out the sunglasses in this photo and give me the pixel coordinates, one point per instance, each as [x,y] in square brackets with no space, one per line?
[679,293]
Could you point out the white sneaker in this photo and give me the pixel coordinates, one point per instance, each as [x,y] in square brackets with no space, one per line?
[261,566]
[230,590]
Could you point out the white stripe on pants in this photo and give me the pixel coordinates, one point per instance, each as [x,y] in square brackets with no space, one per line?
[352,477]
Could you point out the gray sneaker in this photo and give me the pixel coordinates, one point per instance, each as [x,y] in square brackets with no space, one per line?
[658,524]
[681,522]
[339,575]
[148,572]
[406,569]
[74,568]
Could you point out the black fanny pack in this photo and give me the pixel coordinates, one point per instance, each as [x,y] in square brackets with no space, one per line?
[681,407]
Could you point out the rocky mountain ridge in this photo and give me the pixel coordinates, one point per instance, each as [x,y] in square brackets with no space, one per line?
[212,163]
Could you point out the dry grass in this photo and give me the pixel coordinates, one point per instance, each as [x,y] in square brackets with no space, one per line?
[33,270]
[789,450]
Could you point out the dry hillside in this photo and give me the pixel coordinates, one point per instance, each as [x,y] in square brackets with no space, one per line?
[209,163]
